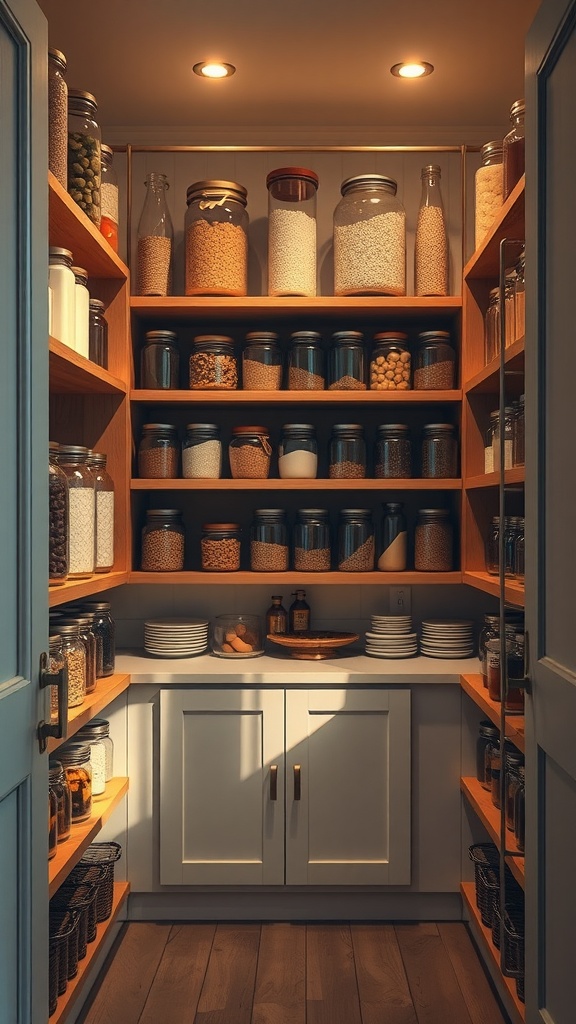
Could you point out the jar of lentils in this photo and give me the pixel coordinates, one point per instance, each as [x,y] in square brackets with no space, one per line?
[347,459]
[269,541]
[390,363]
[312,547]
[74,653]
[298,452]
[347,365]
[433,541]
[202,452]
[160,361]
[439,451]
[216,230]
[75,760]
[58,519]
[249,453]
[220,547]
[355,540]
[262,362]
[393,452]
[57,116]
[435,362]
[369,238]
[84,157]
[163,541]
[306,370]
[158,452]
[213,363]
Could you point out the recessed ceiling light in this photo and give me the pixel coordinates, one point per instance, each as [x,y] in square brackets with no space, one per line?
[213,69]
[412,69]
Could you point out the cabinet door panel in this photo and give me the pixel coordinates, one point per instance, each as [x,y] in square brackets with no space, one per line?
[351,824]
[218,822]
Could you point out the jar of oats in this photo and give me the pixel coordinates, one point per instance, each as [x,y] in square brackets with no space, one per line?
[369,238]
[213,363]
[216,231]
[249,452]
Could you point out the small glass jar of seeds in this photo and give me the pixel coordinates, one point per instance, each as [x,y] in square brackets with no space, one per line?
[312,546]
[347,458]
[306,370]
[433,541]
[393,452]
[216,230]
[163,541]
[390,363]
[57,116]
[269,541]
[158,452]
[249,452]
[84,157]
[439,451]
[262,362]
[213,363]
[202,452]
[220,547]
[155,240]
[435,362]
[356,546]
[74,653]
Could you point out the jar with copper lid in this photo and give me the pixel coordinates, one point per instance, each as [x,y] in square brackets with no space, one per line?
[213,363]
[249,452]
[220,547]
[75,760]
[216,231]
[390,363]
[292,231]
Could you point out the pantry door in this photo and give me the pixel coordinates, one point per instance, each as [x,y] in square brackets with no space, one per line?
[23,512]
[551,501]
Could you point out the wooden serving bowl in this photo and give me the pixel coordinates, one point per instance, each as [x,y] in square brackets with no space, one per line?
[314,644]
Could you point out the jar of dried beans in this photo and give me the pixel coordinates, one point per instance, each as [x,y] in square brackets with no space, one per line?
[439,451]
[104,487]
[155,240]
[75,760]
[220,547]
[213,363]
[163,541]
[262,362]
[57,115]
[355,540]
[158,452]
[347,362]
[84,158]
[369,238]
[58,522]
[202,452]
[269,541]
[489,185]
[393,452]
[433,541]
[216,230]
[292,231]
[249,452]
[306,370]
[435,362]
[160,361]
[390,363]
[82,509]
[312,546]
[347,458]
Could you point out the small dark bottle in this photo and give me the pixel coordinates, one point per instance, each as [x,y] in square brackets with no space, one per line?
[299,614]
[276,617]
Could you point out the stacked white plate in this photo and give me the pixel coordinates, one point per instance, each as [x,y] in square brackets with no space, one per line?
[447,638]
[176,638]
[391,636]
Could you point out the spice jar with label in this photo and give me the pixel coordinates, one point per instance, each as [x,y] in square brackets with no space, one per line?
[202,452]
[104,630]
[159,452]
[299,613]
[262,362]
[163,541]
[58,519]
[435,362]
[213,363]
[84,158]
[393,452]
[104,487]
[269,541]
[488,734]
[433,541]
[82,509]
[276,617]
[61,789]
[513,148]
[298,452]
[75,760]
[155,240]
[81,312]
[347,362]
[249,453]
[96,735]
[74,653]
[216,231]
[220,547]
[160,361]
[312,546]
[292,231]
[393,541]
[390,365]
[347,456]
[57,116]
[355,540]
[369,238]
[97,333]
[439,451]
[489,185]
[431,241]
[306,361]
[62,285]
[109,202]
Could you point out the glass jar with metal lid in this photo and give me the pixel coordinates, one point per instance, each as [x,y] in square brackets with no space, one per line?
[292,231]
[163,541]
[82,509]
[84,157]
[62,293]
[489,187]
[58,519]
[216,230]
[492,326]
[56,663]
[369,238]
[312,546]
[439,451]
[347,362]
[435,362]
[513,760]
[97,333]
[262,362]
[489,630]
[392,546]
[109,201]
[298,452]
[489,442]
[249,453]
[75,760]
[390,362]
[487,733]
[509,308]
[512,648]
[520,296]
[213,363]
[103,627]
[202,452]
[492,549]
[220,547]
[508,438]
[155,239]
[393,452]
[347,457]
[513,148]
[433,541]
[306,363]
[159,452]
[74,651]
[269,541]
[160,361]
[88,638]
[59,784]
[355,540]
[512,527]
[96,735]
[104,487]
[57,116]
[81,312]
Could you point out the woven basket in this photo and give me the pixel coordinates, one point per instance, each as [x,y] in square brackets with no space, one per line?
[80,897]
[95,875]
[104,855]
[483,855]
[53,977]
[64,936]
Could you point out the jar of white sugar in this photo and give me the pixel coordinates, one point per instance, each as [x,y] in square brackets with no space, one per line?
[216,230]
[292,231]
[369,238]
[82,509]
[489,186]
[298,452]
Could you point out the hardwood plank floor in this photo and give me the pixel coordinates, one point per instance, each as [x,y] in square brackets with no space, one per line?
[285,973]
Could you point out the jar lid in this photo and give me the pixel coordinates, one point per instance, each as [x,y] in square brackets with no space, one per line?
[81,102]
[169,428]
[430,427]
[399,336]
[300,337]
[74,753]
[354,513]
[270,513]
[80,274]
[161,336]
[517,108]
[312,513]
[214,188]
[431,169]
[156,178]
[97,304]
[251,430]
[341,336]
[57,254]
[54,640]
[393,428]
[74,620]
[53,447]
[494,293]
[202,427]
[431,513]
[107,152]
[392,506]
[166,513]
[73,452]
[68,629]
[98,460]
[262,337]
[299,428]
[293,184]
[220,526]
[97,606]
[427,336]
[221,339]
[364,182]
[487,728]
[491,149]
[55,772]
[97,727]
[57,56]
[347,428]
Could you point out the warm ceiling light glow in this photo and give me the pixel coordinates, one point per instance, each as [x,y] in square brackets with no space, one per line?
[213,69]
[412,69]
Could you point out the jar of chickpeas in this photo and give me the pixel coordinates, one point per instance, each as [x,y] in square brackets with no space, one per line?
[390,365]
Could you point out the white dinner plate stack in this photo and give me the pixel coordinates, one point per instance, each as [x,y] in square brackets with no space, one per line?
[176,638]
[391,636]
[447,638]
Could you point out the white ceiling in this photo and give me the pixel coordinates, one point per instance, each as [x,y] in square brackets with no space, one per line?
[315,64]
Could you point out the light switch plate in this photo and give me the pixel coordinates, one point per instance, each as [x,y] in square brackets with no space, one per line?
[400,600]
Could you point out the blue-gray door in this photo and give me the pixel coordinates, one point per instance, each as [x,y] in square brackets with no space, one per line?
[23,515]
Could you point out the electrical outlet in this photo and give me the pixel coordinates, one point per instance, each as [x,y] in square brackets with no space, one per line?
[400,600]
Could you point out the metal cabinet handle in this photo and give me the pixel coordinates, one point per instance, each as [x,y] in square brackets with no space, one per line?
[297,781]
[273,781]
[60,681]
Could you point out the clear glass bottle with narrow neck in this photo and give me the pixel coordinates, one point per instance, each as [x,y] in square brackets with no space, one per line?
[431,242]
[155,240]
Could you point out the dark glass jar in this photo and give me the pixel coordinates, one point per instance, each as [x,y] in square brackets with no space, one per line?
[433,541]
[347,362]
[514,653]
[262,362]
[312,545]
[519,552]
[269,541]
[487,734]
[160,361]
[158,452]
[84,157]
[306,364]
[393,452]
[163,541]
[220,547]
[213,363]
[393,541]
[249,453]
[276,617]
[390,365]
[439,451]
[435,362]
[511,534]
[347,457]
[519,435]
[355,540]
[513,759]
[58,519]
[59,784]
[104,630]
[75,760]
[492,547]
[202,452]
[490,630]
[298,452]
[97,333]
[495,772]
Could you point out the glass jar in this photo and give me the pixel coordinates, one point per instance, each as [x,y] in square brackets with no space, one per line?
[369,238]
[519,552]
[495,772]
[216,230]
[88,638]
[508,439]
[81,311]
[61,789]
[347,365]
[487,734]
[390,363]
[109,203]
[519,435]
[96,735]
[520,297]
[492,547]
[82,509]
[104,630]
[489,183]
[514,654]
[490,630]
[262,362]
[435,362]
[160,361]
[306,370]
[431,241]
[52,823]
[393,452]
[249,453]
[433,541]
[513,760]
[492,326]
[62,285]
[347,456]
[237,636]
[276,617]
[56,663]
[513,148]
[74,652]
[355,540]
[393,545]
[104,487]
[97,333]
[58,519]
[292,231]
[519,809]
[439,451]
[202,452]
[84,158]
[158,452]
[155,240]
[269,541]
[509,309]
[511,531]
[298,452]
[57,116]
[489,442]
[220,547]
[213,363]
[163,541]
[75,760]
[312,546]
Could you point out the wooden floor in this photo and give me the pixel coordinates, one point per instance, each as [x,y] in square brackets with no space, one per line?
[293,974]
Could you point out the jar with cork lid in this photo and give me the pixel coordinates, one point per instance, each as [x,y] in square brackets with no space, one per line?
[216,231]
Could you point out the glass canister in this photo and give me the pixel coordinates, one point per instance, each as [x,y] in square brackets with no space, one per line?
[487,734]
[489,186]
[355,540]
[490,630]
[492,326]
[298,452]
[519,552]
[520,297]
[216,230]
[96,735]
[75,760]
[369,238]
[489,443]
[104,487]
[306,371]
[52,821]
[509,308]
[163,541]
[347,455]
[237,636]
[159,452]
[58,519]
[513,760]
[292,231]
[109,202]
[495,772]
[514,653]
[508,439]
[439,451]
[56,662]
[220,547]
[393,542]
[312,546]
[249,452]
[202,452]
[511,533]
[82,509]
[88,638]
[84,158]
[492,547]
[213,363]
[160,361]
[431,241]
[103,627]
[433,541]
[393,452]
[155,240]
[269,541]
[435,362]
[62,284]
[262,362]
[347,362]
[57,116]
[97,333]
[74,653]
[513,148]
[390,363]
[61,789]
[81,311]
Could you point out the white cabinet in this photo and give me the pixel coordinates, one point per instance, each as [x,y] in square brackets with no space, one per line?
[273,787]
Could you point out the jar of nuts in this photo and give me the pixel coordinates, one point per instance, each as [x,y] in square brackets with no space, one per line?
[216,229]
[220,547]
[249,452]
[355,540]
[435,362]
[306,362]
[262,362]
[158,452]
[433,541]
[347,459]
[390,363]
[393,452]
[237,636]
[84,157]
[213,363]
[347,362]
[269,541]
[163,541]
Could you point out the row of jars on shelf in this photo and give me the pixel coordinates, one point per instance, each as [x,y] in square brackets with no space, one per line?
[82,641]
[489,757]
[502,166]
[74,317]
[490,633]
[357,549]
[81,513]
[348,365]
[514,438]
[514,548]
[513,313]
[80,772]
[250,452]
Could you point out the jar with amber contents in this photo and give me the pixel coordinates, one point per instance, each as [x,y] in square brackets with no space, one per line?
[52,823]
[75,760]
[59,785]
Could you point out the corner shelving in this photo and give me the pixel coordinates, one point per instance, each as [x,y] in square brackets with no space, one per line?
[514,724]
[514,1006]
[481,803]
[106,691]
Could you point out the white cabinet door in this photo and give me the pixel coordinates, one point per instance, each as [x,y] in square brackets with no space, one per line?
[221,823]
[348,815]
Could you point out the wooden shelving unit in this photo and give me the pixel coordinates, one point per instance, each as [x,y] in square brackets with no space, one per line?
[489,584]
[295,485]
[71,229]
[309,398]
[180,307]
[71,373]
[517,475]
[294,579]
[70,852]
[481,803]
[486,380]
[75,590]
[474,687]
[483,935]
[106,691]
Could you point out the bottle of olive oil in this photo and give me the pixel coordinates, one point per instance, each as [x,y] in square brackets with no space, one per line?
[299,614]
[276,617]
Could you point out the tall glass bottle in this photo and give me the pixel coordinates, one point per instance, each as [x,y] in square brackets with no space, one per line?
[155,240]
[431,243]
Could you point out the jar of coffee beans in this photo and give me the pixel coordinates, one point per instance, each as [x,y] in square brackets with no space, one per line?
[269,541]
[435,362]
[355,540]
[439,451]
[347,459]
[158,452]
[84,157]
[163,541]
[433,541]
[249,452]
[220,547]
[213,363]
[58,522]
[347,362]
[369,238]
[393,452]
[390,363]
[202,452]
[216,229]
[306,362]
[262,362]
[312,547]
[160,361]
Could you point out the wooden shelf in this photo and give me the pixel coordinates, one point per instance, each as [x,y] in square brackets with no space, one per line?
[483,936]
[510,224]
[275,398]
[70,852]
[517,475]
[411,484]
[186,307]
[71,373]
[481,803]
[514,724]
[71,229]
[74,989]
[296,579]
[490,585]
[106,691]
[74,590]
[486,381]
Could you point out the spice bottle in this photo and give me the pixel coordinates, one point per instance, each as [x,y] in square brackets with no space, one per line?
[57,116]
[488,187]
[62,285]
[299,613]
[216,229]
[369,238]
[109,199]
[292,231]
[97,333]
[84,158]
[104,487]
[276,617]
[155,240]
[513,148]
[431,242]
[392,548]
[82,509]
[58,521]
[312,548]
[306,370]
[160,361]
